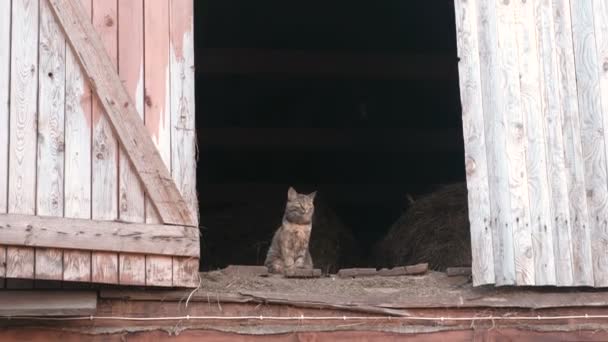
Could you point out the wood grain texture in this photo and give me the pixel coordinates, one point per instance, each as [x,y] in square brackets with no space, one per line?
[51,110]
[538,203]
[122,114]
[132,269]
[76,265]
[2,266]
[600,238]
[5,59]
[592,137]
[48,303]
[23,97]
[475,152]
[104,267]
[553,111]
[78,106]
[20,262]
[185,272]
[49,264]
[38,231]
[131,71]
[509,74]
[159,270]
[495,120]
[573,154]
[183,129]
[105,146]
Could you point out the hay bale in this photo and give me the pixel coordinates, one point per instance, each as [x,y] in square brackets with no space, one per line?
[435,229]
[240,234]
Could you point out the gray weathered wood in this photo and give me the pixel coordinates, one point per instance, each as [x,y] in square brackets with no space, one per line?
[5,58]
[38,231]
[47,303]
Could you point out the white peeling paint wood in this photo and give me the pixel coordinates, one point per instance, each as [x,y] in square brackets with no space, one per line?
[475,154]
[600,238]
[592,137]
[78,102]
[552,111]
[23,98]
[539,206]
[51,109]
[183,129]
[5,58]
[573,155]
[495,132]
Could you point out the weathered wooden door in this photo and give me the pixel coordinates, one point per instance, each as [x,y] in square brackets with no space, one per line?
[97,149]
[534,89]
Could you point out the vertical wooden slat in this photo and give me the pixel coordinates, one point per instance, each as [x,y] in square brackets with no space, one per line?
[495,132]
[534,146]
[105,149]
[157,102]
[20,262]
[509,75]
[77,264]
[475,152]
[183,138]
[556,172]
[131,70]
[5,57]
[49,264]
[591,118]
[600,257]
[2,266]
[573,155]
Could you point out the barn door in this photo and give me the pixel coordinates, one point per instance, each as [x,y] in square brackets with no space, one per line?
[99,182]
[534,89]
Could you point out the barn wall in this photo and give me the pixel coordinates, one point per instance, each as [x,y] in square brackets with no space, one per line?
[534,89]
[58,154]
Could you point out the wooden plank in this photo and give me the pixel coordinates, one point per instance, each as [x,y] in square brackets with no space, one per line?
[104,267]
[573,155]
[2,265]
[185,272]
[131,71]
[183,128]
[480,214]
[77,266]
[24,86]
[5,58]
[132,269]
[356,272]
[159,270]
[20,262]
[51,109]
[593,144]
[600,237]
[49,264]
[553,111]
[303,273]
[495,122]
[458,271]
[78,121]
[38,231]
[534,148]
[417,269]
[509,74]
[48,303]
[122,114]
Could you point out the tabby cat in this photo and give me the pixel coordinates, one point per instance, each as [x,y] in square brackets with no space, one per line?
[289,247]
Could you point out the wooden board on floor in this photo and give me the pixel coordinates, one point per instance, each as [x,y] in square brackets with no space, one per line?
[47,303]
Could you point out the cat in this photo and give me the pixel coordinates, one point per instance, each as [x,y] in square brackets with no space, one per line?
[289,247]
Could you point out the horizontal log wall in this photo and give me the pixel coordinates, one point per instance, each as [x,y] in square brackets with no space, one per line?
[534,89]
[59,156]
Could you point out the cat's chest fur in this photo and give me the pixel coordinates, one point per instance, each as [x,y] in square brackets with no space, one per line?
[296,236]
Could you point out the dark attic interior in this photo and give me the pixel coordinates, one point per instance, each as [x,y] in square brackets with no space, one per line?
[358,100]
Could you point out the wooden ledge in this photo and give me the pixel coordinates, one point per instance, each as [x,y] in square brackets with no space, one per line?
[107,236]
[47,303]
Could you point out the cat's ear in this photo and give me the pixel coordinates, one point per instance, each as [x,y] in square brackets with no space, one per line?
[312,195]
[291,194]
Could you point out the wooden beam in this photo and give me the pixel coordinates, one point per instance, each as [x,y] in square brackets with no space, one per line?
[122,113]
[382,139]
[107,236]
[327,64]
[47,303]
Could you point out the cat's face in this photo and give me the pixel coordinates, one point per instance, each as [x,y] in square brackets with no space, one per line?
[300,207]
